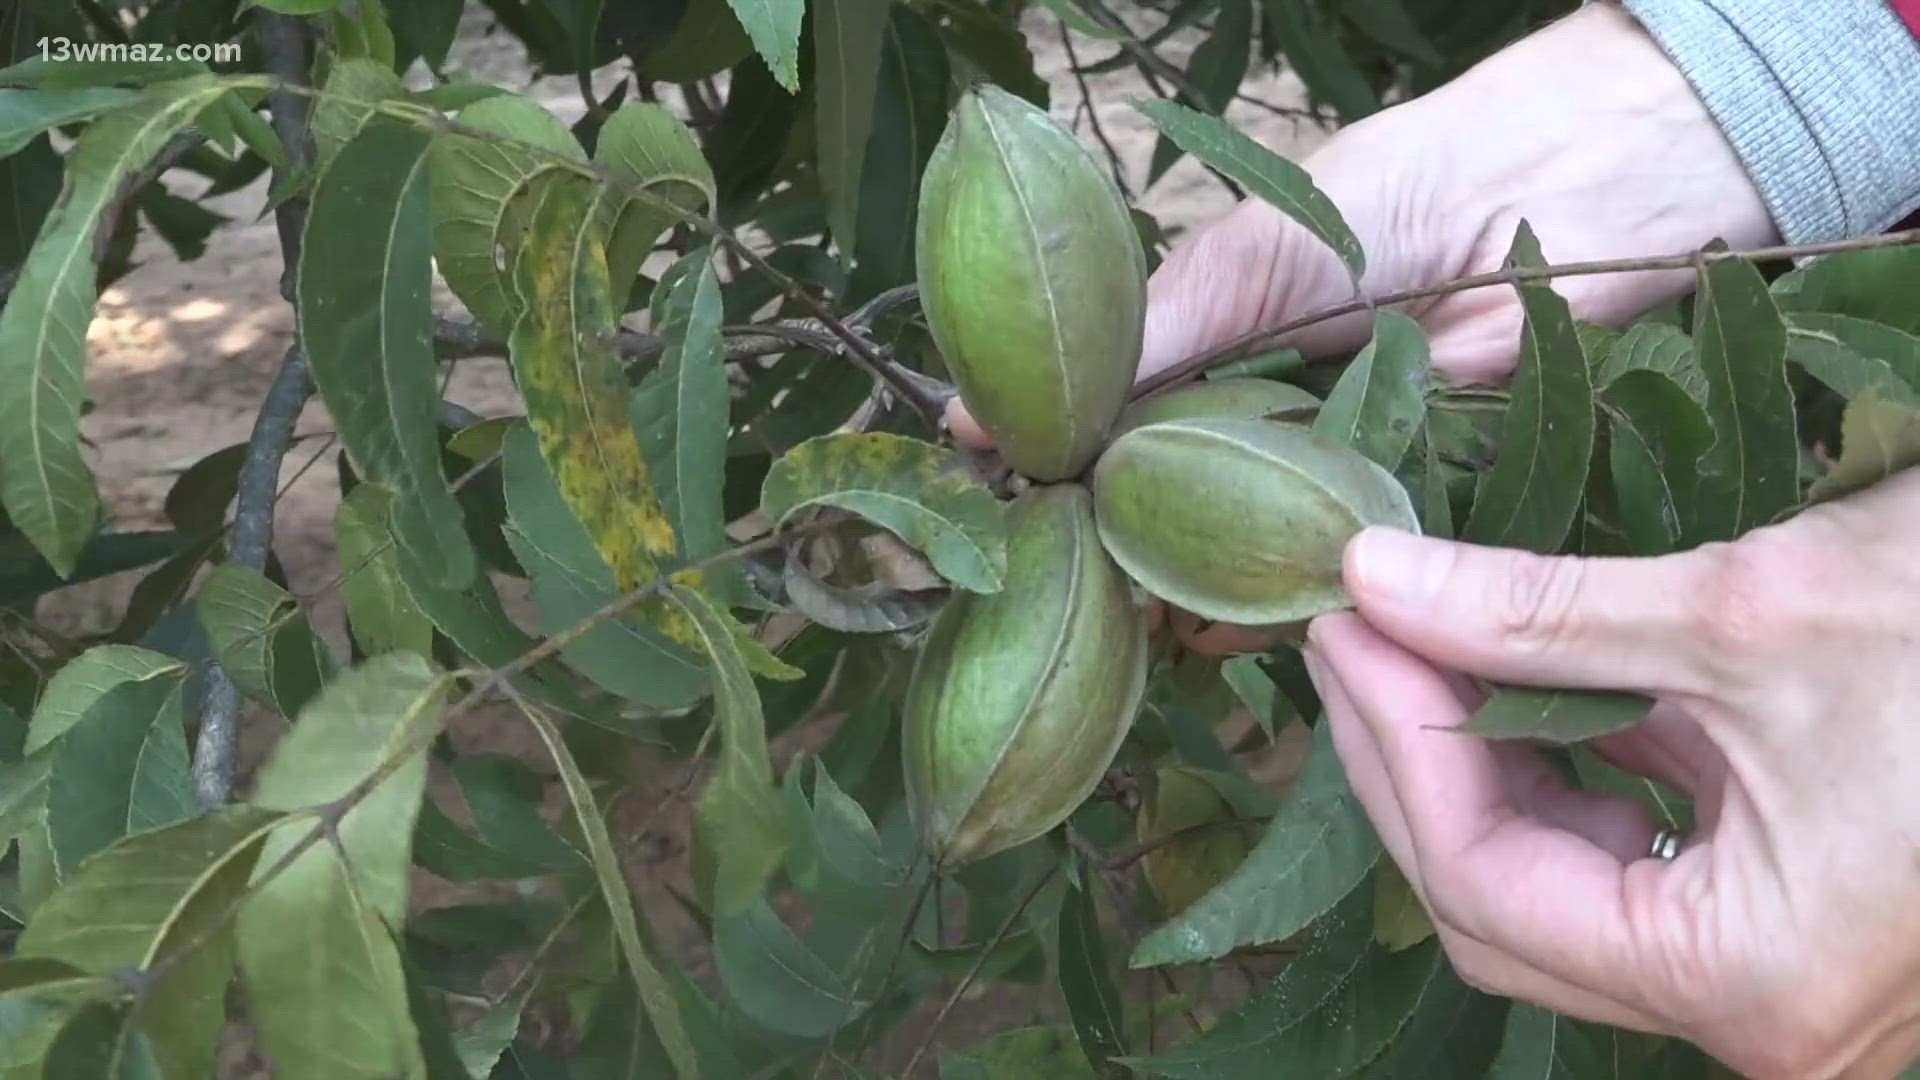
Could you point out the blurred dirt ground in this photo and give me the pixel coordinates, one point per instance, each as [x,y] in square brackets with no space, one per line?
[181,354]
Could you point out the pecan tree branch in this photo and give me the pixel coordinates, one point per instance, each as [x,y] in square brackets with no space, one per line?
[1267,337]
[284,39]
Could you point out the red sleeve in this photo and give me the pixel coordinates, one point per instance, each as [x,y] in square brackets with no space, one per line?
[1909,12]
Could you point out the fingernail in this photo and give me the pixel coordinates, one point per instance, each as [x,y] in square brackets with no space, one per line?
[1400,567]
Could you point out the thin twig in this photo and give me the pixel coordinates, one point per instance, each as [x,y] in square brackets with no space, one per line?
[1153,67]
[979,962]
[284,40]
[1256,340]
[1093,115]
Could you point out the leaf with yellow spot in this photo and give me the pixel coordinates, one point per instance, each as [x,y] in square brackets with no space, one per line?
[569,371]
[920,492]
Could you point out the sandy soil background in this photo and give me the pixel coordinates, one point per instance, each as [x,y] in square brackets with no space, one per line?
[182,353]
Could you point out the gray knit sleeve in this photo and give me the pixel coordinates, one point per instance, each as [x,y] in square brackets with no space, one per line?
[1820,100]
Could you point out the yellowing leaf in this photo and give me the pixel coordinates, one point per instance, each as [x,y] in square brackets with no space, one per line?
[576,390]
[1399,920]
[1877,439]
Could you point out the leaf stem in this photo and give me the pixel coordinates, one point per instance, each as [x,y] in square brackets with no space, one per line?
[1258,340]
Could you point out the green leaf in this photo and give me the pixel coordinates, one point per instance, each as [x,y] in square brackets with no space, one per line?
[654,990]
[706,41]
[739,814]
[1380,400]
[1665,805]
[1556,716]
[26,576]
[262,638]
[45,484]
[142,903]
[921,493]
[1750,474]
[1532,494]
[23,796]
[331,1000]
[1851,354]
[1317,848]
[1086,982]
[1193,834]
[1328,1013]
[570,582]
[649,146]
[354,86]
[481,200]
[1318,55]
[474,619]
[380,610]
[504,798]
[847,37]
[24,114]
[775,979]
[1253,687]
[366,320]
[101,1040]
[1436,511]
[47,72]
[1658,347]
[427,27]
[1272,178]
[1030,1053]
[1453,1034]
[1658,437]
[298,7]
[1874,285]
[36,997]
[909,115]
[1080,21]
[1214,71]
[1540,1045]
[447,851]
[1399,919]
[679,413]
[774,27]
[122,769]
[87,678]
[481,1043]
[1877,439]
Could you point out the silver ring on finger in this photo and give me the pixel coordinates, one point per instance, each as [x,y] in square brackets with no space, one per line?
[1666,845]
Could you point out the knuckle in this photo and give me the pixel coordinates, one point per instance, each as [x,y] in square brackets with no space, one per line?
[1470,961]
[1537,601]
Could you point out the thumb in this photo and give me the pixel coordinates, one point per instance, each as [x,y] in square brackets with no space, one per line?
[1514,616]
[1252,267]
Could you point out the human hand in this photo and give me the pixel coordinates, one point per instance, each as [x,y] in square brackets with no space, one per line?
[1782,938]
[1584,129]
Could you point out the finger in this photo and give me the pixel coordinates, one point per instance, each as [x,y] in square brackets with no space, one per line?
[1546,895]
[966,430]
[1493,970]
[1514,616]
